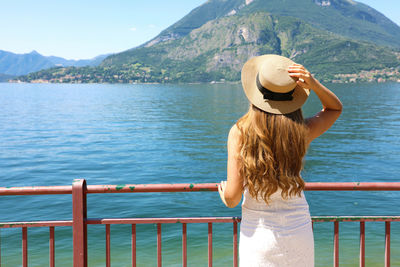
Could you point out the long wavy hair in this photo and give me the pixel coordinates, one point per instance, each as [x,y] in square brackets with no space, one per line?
[272,148]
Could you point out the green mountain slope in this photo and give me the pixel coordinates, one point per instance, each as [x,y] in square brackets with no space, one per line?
[343,17]
[218,48]
[210,10]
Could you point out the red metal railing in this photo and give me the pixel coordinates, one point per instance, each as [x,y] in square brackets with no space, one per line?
[79,191]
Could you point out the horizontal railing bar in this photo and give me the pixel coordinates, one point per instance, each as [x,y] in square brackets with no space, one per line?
[36,190]
[34,224]
[151,188]
[164,220]
[238,219]
[147,188]
[191,220]
[317,186]
[355,218]
[352,186]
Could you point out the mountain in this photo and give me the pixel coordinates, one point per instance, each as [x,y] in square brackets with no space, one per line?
[213,41]
[343,17]
[20,64]
[218,49]
[59,61]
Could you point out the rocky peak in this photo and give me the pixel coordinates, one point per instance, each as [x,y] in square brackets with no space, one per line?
[34,52]
[163,38]
[235,10]
[323,2]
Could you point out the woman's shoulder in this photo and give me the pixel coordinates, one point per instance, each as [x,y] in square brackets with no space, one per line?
[234,129]
[234,132]
[233,137]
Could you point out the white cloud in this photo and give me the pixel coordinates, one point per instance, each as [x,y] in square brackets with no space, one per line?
[152,26]
[133,29]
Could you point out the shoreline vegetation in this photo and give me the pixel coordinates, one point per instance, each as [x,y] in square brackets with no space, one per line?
[58,75]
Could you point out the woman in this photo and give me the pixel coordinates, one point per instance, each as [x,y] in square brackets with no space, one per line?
[266,148]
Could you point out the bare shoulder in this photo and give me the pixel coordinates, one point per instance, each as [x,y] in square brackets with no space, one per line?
[234,133]
[233,138]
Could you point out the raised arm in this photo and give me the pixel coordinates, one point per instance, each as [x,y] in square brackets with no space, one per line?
[231,190]
[331,105]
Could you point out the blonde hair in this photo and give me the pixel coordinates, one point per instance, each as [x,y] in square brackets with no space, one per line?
[272,148]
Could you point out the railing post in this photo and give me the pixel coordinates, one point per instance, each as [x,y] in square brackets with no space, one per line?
[79,226]
[52,257]
[159,253]
[336,245]
[235,244]
[184,245]
[108,246]
[362,244]
[387,244]
[133,245]
[210,245]
[24,247]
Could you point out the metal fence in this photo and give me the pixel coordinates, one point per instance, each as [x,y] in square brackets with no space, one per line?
[79,223]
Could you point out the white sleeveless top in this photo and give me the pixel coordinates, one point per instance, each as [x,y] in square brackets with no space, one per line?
[277,234]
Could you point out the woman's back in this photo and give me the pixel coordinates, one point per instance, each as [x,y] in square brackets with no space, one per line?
[281,214]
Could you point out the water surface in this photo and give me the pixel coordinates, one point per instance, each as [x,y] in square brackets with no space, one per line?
[125,134]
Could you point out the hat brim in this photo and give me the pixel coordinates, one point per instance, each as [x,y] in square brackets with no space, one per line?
[249,76]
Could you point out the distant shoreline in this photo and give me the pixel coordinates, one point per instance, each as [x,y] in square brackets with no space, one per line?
[198,83]
[364,76]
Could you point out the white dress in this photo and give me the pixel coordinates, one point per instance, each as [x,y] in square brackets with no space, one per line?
[277,234]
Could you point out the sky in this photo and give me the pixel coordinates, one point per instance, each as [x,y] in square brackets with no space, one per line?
[82,29]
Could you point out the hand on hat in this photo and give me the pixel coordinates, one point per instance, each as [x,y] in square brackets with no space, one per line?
[304,77]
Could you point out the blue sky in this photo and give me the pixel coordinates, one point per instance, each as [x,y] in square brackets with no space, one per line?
[78,29]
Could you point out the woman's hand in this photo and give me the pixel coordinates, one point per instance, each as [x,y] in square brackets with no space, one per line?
[221,190]
[304,77]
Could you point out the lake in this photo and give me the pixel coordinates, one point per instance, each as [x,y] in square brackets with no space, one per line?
[52,134]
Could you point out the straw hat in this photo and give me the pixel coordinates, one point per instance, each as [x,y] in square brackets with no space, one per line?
[268,86]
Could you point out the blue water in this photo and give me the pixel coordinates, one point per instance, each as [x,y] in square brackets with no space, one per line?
[124,134]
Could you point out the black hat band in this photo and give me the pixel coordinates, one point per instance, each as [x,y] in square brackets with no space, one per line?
[269,95]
